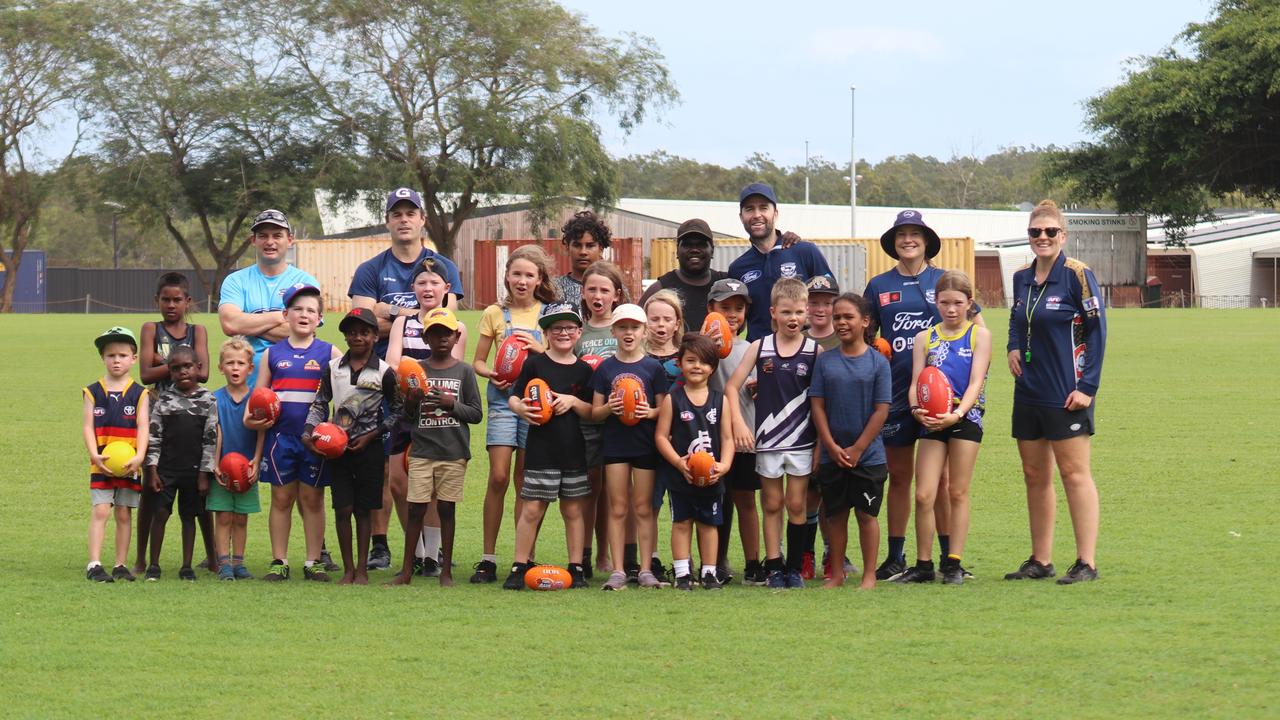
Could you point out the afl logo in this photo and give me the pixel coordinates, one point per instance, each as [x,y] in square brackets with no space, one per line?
[751,276]
[923,392]
[99,412]
[686,416]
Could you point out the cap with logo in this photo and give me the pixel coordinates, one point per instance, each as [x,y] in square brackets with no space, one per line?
[823,284]
[726,288]
[358,315]
[113,335]
[555,312]
[299,290]
[442,317]
[270,217]
[628,311]
[404,194]
[758,188]
[933,244]
[694,228]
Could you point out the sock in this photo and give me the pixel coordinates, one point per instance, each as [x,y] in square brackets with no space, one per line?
[681,567]
[896,545]
[420,550]
[237,560]
[810,532]
[519,567]
[630,555]
[278,562]
[430,542]
[379,540]
[224,559]
[586,555]
[951,561]
[944,544]
[924,564]
[773,564]
[308,563]
[709,570]
[92,565]
[575,568]
[795,546]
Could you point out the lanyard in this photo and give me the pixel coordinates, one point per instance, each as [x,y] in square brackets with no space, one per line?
[1031,310]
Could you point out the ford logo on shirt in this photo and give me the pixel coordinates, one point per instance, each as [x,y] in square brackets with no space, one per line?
[910,321]
[751,276]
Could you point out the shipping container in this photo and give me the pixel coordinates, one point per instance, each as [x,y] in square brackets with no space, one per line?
[29,292]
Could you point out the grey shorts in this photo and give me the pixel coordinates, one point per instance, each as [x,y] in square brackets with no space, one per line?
[120,497]
[547,485]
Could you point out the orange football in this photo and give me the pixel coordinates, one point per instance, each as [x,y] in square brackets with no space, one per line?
[547,577]
[885,349]
[509,359]
[235,470]
[716,326]
[701,464]
[330,440]
[411,375]
[632,393]
[933,392]
[538,398]
[264,404]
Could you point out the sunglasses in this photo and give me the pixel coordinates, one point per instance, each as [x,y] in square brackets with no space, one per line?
[1050,233]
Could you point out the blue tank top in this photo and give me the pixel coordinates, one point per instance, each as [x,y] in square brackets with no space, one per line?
[295,377]
[782,396]
[954,357]
[235,436]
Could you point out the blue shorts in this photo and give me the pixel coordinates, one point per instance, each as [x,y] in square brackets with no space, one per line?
[504,426]
[900,429]
[703,509]
[659,489]
[285,459]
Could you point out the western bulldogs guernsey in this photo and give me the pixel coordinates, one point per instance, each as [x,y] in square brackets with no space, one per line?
[782,397]
[954,357]
[295,377]
[694,428]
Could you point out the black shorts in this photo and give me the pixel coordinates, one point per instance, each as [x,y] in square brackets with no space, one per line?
[396,441]
[966,429]
[742,473]
[182,487]
[704,509]
[355,479]
[640,462]
[900,429]
[858,488]
[1035,422]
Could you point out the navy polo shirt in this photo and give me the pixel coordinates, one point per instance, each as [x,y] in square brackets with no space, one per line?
[759,271]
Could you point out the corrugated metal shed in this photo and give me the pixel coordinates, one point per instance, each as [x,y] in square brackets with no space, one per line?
[1224,270]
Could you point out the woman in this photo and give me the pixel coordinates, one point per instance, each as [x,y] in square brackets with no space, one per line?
[1057,335]
[903,304]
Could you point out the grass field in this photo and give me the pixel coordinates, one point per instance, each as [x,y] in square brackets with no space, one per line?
[1182,624]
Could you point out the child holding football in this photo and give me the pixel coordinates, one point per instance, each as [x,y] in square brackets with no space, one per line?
[852,466]
[694,418]
[441,440]
[629,452]
[232,510]
[114,411]
[555,464]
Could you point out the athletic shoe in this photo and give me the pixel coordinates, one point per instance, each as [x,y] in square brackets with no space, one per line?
[242,572]
[153,573]
[515,581]
[826,566]
[890,569]
[225,572]
[1078,572]
[684,582]
[633,573]
[417,566]
[806,566]
[967,575]
[795,580]
[587,572]
[661,572]
[754,574]
[617,581]
[646,579]
[915,574]
[710,582]
[952,575]
[850,568]
[579,577]
[486,572]
[1032,569]
[724,574]
[430,568]
[120,572]
[777,580]
[186,573]
[98,574]
[316,572]
[327,560]
[278,572]
[203,564]
[379,558]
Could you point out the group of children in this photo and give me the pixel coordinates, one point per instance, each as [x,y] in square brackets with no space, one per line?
[795,415]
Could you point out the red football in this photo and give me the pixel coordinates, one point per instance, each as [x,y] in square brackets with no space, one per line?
[235,471]
[933,392]
[264,405]
[411,375]
[716,326]
[701,464]
[547,577]
[592,360]
[330,440]
[510,359]
[885,349]
[538,398]
[632,393]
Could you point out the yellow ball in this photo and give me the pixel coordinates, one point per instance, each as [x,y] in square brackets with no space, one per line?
[117,454]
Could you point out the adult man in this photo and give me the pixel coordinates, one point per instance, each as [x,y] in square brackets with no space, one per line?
[693,275]
[769,258]
[586,237]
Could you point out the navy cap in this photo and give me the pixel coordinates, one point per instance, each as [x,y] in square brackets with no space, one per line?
[932,246]
[758,188]
[403,194]
[299,290]
[358,315]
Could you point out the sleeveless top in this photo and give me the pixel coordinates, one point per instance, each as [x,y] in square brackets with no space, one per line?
[954,357]
[115,418]
[782,396]
[694,428]
[295,378]
[163,345]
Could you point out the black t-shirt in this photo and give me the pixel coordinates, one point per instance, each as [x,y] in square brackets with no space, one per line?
[557,445]
[692,297]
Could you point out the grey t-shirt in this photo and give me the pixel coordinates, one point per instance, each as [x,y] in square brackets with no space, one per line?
[859,384]
[597,341]
[725,370]
[440,434]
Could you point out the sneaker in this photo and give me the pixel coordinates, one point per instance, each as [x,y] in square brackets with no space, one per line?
[633,573]
[515,581]
[890,569]
[850,568]
[430,567]
[587,571]
[486,572]
[710,582]
[225,572]
[242,572]
[617,581]
[121,573]
[915,574]
[278,572]
[1032,569]
[578,573]
[777,580]
[806,566]
[661,572]
[684,582]
[379,557]
[1078,572]
[202,565]
[315,572]
[964,571]
[98,574]
[330,566]
[754,574]
[646,579]
[952,574]
[795,580]
[724,574]
[417,566]
[186,573]
[153,573]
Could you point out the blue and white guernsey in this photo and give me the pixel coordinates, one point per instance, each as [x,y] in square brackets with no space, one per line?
[954,357]
[782,396]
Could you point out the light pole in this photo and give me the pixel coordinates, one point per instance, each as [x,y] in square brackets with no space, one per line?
[116,209]
[853,166]
[806,172]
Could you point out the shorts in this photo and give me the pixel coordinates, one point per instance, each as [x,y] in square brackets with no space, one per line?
[966,429]
[702,509]
[285,459]
[182,488]
[119,497]
[857,488]
[742,473]
[659,489]
[221,499]
[396,441]
[548,484]
[504,427]
[355,479]
[431,480]
[1034,422]
[593,437]
[640,462]
[900,429]
[776,463]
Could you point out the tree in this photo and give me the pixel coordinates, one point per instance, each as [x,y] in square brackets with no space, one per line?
[1187,126]
[40,65]
[200,123]
[467,97]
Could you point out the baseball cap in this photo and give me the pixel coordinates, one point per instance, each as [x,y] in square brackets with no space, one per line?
[297,291]
[628,311]
[115,334]
[358,315]
[726,288]
[442,317]
[557,311]
[270,217]
[758,188]
[932,246]
[696,227]
[403,194]
[823,284]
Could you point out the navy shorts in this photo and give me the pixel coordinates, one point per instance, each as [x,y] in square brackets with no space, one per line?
[742,473]
[900,429]
[703,509]
[1034,422]
[285,459]
[640,462]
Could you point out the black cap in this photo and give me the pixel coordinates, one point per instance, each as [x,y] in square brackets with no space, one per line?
[358,315]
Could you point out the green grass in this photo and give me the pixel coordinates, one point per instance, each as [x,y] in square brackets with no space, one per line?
[1182,623]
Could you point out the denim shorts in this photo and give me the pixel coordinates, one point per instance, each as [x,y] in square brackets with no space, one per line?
[504,426]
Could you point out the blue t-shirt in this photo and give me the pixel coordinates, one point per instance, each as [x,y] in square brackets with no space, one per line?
[628,441]
[252,292]
[235,436]
[385,279]
[760,271]
[858,384]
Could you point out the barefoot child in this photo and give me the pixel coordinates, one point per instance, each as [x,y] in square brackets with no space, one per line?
[232,510]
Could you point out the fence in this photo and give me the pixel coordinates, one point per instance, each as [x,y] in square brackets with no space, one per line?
[77,290]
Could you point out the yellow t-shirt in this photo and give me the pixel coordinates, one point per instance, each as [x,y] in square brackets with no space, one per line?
[492,324]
